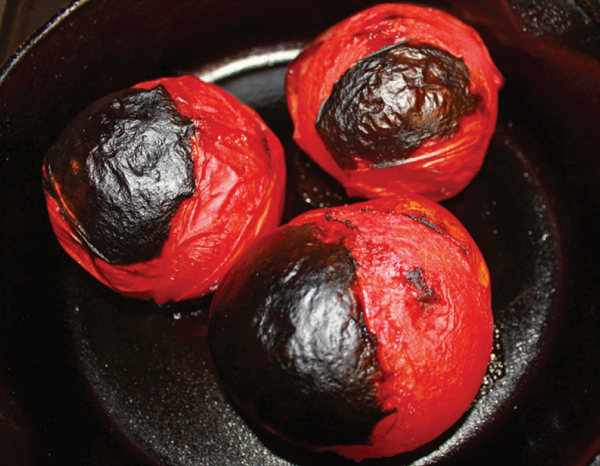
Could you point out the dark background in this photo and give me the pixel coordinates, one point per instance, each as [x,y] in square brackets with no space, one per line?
[19,18]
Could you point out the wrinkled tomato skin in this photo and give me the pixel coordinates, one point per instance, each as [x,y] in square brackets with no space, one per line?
[427,299]
[239,175]
[440,167]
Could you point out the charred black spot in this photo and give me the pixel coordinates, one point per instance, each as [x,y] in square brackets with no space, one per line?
[389,103]
[424,221]
[122,168]
[346,223]
[288,339]
[417,278]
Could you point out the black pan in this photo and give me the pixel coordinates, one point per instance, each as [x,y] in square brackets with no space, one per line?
[90,377]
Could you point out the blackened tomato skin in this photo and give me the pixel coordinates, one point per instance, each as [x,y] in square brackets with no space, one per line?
[402,272]
[239,174]
[288,339]
[120,171]
[437,168]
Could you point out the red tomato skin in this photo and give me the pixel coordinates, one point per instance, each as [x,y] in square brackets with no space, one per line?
[440,168]
[240,182]
[427,299]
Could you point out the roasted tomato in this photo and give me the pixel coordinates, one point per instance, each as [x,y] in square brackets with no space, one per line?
[396,98]
[156,189]
[366,330]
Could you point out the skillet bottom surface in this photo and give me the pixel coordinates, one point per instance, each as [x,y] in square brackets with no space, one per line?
[149,369]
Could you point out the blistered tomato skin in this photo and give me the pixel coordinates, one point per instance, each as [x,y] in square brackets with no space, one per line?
[288,338]
[405,348]
[398,97]
[155,190]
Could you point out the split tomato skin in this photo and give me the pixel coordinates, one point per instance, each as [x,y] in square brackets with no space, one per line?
[419,301]
[383,121]
[229,164]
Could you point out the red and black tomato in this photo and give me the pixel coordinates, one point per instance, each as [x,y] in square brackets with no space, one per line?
[156,189]
[364,329]
[396,98]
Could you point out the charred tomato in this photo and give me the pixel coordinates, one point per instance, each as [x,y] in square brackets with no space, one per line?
[365,329]
[156,189]
[398,97]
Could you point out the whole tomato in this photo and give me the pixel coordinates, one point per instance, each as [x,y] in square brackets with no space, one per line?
[157,189]
[365,329]
[395,98]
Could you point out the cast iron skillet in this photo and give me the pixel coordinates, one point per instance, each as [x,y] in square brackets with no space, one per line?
[90,377]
